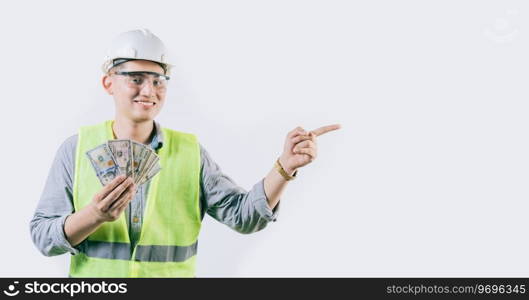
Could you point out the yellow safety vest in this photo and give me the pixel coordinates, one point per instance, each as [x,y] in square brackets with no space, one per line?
[168,241]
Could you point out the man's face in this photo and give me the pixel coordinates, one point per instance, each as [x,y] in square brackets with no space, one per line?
[138,98]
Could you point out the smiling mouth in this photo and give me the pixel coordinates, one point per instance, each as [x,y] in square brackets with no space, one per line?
[146,103]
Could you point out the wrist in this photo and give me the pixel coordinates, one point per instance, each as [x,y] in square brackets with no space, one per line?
[290,171]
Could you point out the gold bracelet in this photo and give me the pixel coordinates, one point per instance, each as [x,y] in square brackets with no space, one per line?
[283,172]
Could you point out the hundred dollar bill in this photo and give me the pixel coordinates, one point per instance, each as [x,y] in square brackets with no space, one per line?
[149,164]
[148,173]
[151,174]
[140,153]
[145,163]
[122,151]
[103,163]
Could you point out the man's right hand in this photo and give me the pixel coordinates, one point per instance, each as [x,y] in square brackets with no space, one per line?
[108,204]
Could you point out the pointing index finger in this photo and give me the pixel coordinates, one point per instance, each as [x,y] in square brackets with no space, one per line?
[326,129]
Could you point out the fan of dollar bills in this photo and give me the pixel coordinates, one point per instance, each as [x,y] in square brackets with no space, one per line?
[127,157]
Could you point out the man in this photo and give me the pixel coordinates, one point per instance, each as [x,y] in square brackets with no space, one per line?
[151,230]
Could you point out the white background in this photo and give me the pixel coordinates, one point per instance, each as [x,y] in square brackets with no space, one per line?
[427,177]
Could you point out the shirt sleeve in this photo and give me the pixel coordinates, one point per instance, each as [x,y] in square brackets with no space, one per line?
[56,204]
[243,211]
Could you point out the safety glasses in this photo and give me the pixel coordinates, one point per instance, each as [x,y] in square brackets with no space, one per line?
[137,79]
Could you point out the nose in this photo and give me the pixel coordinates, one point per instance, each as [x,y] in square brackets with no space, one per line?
[147,89]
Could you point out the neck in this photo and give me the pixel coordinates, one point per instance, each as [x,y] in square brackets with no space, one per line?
[127,129]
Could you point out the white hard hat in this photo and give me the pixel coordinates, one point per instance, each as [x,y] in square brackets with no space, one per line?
[136,44]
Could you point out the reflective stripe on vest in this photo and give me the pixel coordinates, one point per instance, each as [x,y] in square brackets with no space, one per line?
[168,241]
[143,253]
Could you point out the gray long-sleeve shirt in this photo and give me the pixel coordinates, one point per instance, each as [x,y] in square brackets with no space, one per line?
[220,197]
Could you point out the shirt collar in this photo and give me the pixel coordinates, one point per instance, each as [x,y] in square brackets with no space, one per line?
[157,139]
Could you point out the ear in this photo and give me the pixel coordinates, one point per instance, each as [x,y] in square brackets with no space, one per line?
[107,84]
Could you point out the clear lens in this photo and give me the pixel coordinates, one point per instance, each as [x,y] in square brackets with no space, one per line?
[138,79]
